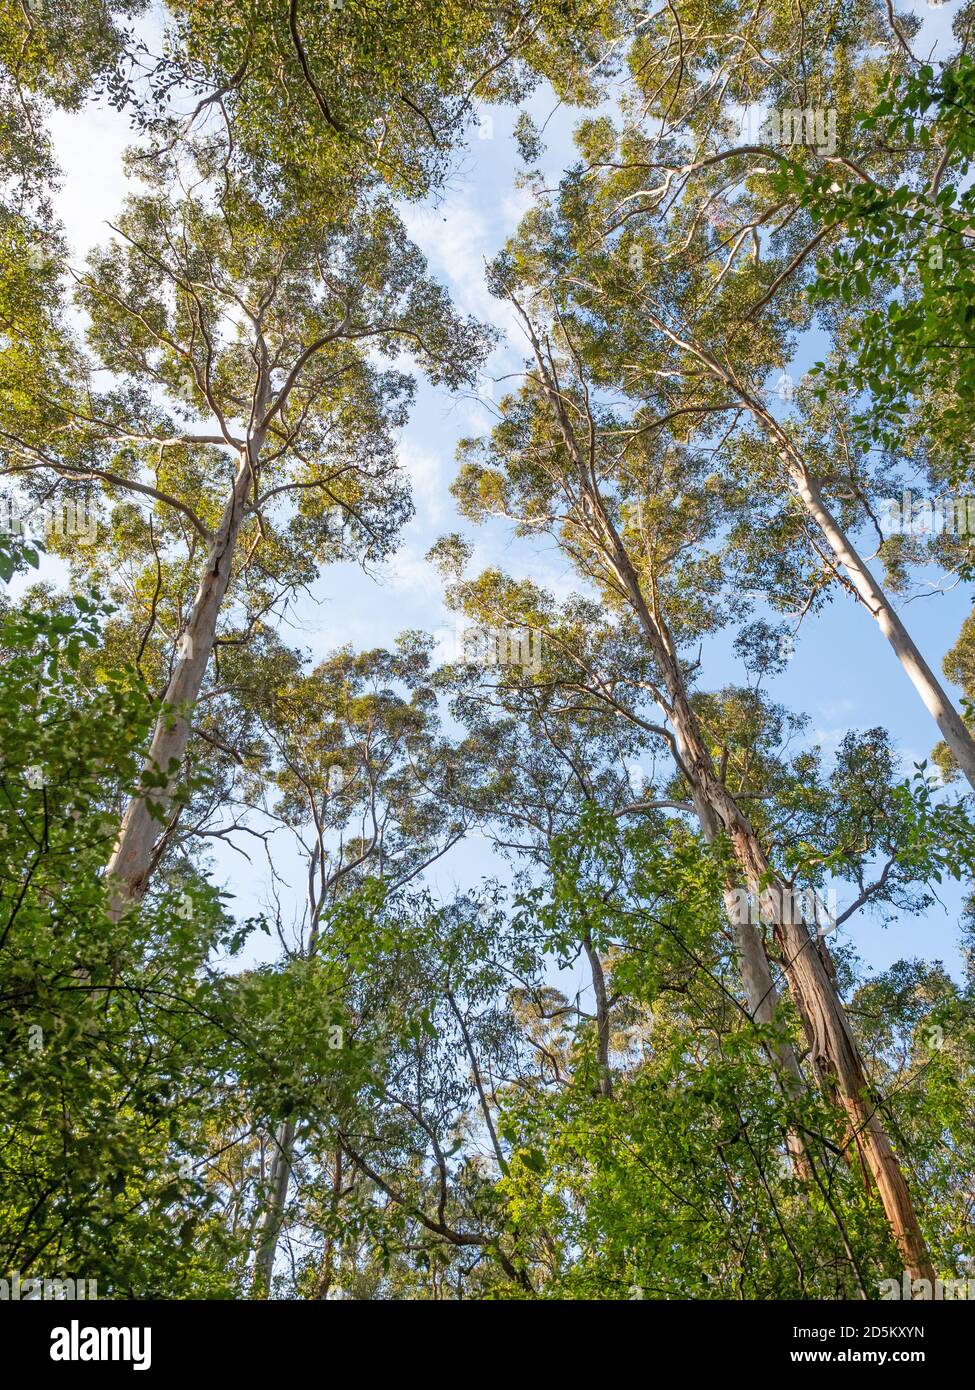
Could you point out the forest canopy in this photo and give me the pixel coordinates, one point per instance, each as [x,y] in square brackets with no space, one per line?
[425,870]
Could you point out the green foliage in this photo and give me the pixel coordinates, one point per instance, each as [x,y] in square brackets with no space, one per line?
[117,1037]
[905,260]
[375,1085]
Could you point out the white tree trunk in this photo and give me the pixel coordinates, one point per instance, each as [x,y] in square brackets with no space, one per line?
[132,859]
[949,721]
[936,700]
[277,1195]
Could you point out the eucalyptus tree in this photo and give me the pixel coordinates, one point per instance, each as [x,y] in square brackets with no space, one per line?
[679,235]
[553,742]
[115,1038]
[320,97]
[52,56]
[560,459]
[675,1184]
[901,283]
[901,280]
[356,764]
[242,403]
[656,480]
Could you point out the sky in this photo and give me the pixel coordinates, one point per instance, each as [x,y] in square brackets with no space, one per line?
[843,675]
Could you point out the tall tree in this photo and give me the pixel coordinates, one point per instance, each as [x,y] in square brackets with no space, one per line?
[359,770]
[560,463]
[678,233]
[323,97]
[263,329]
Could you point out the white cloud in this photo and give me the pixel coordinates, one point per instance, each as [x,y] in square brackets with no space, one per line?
[409,572]
[829,740]
[429,481]
[456,239]
[89,145]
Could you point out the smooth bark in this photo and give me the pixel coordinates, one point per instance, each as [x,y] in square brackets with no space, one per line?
[277,1195]
[836,1059]
[135,854]
[953,729]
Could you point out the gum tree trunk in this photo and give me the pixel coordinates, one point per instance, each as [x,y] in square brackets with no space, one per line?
[878,605]
[277,1195]
[134,856]
[927,685]
[836,1058]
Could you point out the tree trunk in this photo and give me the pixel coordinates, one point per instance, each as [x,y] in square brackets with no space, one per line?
[939,706]
[277,1194]
[836,1058]
[949,721]
[605,1082]
[327,1269]
[133,858]
[761,994]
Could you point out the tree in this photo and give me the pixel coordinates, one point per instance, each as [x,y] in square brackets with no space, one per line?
[358,768]
[696,348]
[558,460]
[905,269]
[264,329]
[51,56]
[642,1059]
[106,1063]
[323,97]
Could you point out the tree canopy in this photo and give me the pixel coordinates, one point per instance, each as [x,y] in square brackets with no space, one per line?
[550,973]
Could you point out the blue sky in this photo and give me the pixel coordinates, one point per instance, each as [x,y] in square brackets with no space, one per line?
[843,674]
